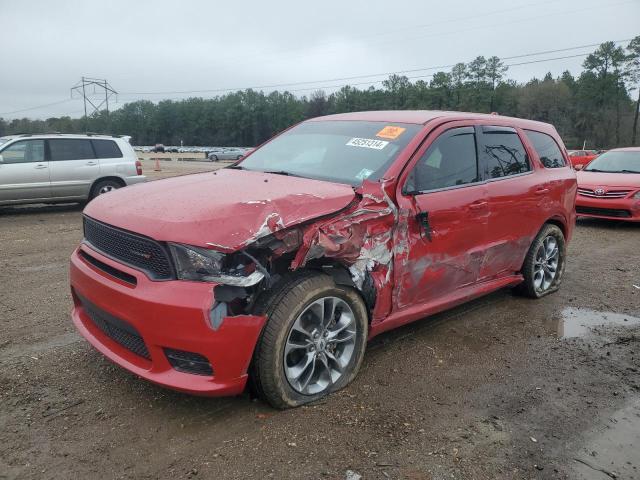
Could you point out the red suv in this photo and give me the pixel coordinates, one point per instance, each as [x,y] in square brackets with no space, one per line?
[280,268]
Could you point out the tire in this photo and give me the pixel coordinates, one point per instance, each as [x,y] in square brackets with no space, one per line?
[239,157]
[279,351]
[104,186]
[538,263]
[213,158]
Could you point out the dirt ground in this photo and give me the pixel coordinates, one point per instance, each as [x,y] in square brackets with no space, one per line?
[503,387]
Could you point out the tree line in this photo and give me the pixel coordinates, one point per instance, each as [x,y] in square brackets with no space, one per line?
[595,107]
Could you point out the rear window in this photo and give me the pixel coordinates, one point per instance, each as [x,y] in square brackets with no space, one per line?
[546,148]
[503,152]
[70,149]
[106,149]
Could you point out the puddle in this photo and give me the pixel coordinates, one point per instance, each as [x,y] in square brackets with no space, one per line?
[611,451]
[579,322]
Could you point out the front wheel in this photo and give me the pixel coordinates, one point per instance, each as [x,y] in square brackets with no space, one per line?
[544,264]
[313,343]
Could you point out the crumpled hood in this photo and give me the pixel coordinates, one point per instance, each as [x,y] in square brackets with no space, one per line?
[225,210]
[603,179]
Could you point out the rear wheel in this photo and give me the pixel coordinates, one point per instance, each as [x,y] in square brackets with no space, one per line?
[313,343]
[544,264]
[213,158]
[104,186]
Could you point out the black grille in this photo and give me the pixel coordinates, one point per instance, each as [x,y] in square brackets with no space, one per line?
[114,272]
[134,250]
[605,212]
[188,362]
[117,330]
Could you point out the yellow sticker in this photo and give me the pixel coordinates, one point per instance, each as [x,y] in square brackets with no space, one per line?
[390,132]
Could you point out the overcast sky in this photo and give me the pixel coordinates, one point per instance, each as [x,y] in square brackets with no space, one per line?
[147,46]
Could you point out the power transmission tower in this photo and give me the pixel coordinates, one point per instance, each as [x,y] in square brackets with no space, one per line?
[98,83]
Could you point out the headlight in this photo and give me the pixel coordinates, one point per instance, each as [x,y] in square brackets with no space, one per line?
[204,265]
[637,195]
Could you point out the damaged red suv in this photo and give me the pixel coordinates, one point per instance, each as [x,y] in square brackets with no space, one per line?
[280,268]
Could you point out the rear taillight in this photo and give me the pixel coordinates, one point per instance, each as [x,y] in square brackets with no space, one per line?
[138,167]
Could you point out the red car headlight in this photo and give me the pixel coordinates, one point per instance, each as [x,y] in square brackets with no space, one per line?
[636,195]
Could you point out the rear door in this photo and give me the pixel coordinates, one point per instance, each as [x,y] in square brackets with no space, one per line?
[515,195]
[74,167]
[112,159]
[444,204]
[24,171]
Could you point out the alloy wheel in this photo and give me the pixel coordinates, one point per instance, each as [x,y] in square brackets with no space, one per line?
[545,267]
[320,345]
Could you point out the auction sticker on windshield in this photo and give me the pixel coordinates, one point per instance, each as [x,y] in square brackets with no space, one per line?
[367,143]
[390,132]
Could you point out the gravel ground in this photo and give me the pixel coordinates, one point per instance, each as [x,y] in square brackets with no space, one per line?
[503,387]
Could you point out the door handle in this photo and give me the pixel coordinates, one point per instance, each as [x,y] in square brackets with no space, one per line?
[91,163]
[40,166]
[423,220]
[541,191]
[478,205]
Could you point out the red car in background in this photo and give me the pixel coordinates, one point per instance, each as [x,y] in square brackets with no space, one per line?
[609,187]
[282,266]
[581,158]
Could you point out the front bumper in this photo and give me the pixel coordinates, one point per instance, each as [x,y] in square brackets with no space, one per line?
[624,209]
[169,314]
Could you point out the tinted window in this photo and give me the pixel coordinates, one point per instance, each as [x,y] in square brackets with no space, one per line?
[70,149]
[547,149]
[24,151]
[106,149]
[451,160]
[503,153]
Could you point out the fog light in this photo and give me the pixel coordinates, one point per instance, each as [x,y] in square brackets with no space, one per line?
[188,362]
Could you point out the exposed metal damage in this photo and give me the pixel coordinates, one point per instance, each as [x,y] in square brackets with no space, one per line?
[355,245]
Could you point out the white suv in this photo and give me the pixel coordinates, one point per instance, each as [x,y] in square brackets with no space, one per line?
[48,168]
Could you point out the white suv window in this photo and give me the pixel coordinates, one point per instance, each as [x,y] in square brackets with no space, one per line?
[70,149]
[24,151]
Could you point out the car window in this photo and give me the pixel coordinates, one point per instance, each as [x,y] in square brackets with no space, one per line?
[347,152]
[24,151]
[70,149]
[546,148]
[106,149]
[450,161]
[503,152]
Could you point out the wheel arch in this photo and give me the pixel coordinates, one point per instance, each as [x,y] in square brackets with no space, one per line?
[108,177]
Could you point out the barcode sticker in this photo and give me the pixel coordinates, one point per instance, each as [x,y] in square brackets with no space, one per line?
[367,143]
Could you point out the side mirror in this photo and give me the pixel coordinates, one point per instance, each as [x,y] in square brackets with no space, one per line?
[579,166]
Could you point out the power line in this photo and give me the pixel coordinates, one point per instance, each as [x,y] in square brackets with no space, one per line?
[37,107]
[358,77]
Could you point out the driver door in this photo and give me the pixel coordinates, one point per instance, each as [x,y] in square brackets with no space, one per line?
[446,207]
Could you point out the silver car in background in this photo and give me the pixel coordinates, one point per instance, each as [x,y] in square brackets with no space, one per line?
[51,168]
[230,153]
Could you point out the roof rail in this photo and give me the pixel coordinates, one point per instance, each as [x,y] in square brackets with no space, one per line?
[89,134]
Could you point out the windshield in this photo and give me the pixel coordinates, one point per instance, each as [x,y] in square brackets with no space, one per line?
[4,140]
[338,151]
[616,162]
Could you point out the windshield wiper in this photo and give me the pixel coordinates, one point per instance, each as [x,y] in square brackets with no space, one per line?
[236,167]
[629,171]
[281,172]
